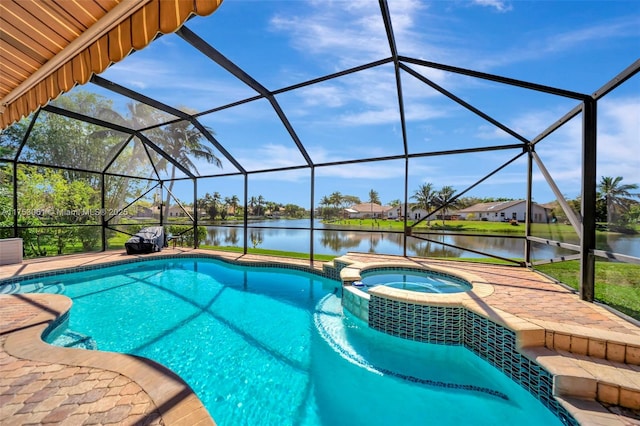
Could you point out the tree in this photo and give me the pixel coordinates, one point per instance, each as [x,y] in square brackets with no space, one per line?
[260,203]
[336,199]
[374,198]
[350,200]
[464,202]
[62,141]
[617,196]
[324,203]
[444,200]
[293,210]
[425,197]
[47,197]
[233,202]
[133,159]
[183,143]
[217,201]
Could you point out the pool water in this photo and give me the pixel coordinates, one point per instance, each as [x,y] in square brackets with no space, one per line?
[271,346]
[420,281]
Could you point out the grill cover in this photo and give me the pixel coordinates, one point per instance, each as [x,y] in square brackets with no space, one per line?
[147,240]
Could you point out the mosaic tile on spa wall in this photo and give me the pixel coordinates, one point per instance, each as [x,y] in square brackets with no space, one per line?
[457,326]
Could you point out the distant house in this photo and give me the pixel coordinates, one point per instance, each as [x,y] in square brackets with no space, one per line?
[414,213]
[501,211]
[177,211]
[366,210]
[143,212]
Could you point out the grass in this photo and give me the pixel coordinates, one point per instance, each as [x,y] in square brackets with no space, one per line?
[266,252]
[462,226]
[617,284]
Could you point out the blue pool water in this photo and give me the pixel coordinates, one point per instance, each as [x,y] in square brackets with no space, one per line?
[414,280]
[271,346]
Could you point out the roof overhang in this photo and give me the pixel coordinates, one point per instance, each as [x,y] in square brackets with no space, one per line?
[46,48]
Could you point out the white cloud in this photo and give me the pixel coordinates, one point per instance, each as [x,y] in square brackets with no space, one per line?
[500,6]
[370,171]
[269,156]
[549,42]
[619,138]
[346,33]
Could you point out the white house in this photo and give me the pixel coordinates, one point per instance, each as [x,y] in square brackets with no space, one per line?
[501,211]
[414,213]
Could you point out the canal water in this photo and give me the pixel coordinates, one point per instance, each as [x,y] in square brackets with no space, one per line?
[332,240]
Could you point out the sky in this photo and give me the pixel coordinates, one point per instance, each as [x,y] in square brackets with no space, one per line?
[572,45]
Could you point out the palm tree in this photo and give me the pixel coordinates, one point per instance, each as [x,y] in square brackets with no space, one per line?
[336,200]
[215,204]
[425,197]
[253,201]
[139,116]
[374,198]
[234,203]
[324,203]
[261,202]
[617,197]
[445,199]
[183,143]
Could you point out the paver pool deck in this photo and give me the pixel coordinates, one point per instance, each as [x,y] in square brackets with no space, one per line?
[595,352]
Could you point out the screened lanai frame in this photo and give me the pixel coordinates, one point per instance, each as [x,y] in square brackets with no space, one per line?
[584,224]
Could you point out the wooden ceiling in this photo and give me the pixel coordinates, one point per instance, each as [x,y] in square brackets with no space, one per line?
[49,46]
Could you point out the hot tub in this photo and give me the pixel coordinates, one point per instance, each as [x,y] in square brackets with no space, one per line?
[413,280]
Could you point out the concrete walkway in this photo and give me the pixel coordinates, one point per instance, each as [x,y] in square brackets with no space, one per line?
[42,384]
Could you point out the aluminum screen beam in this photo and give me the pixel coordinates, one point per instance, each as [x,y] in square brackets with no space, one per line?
[589,198]
[193,39]
[498,79]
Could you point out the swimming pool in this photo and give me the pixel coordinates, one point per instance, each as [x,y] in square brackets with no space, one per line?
[413,280]
[266,346]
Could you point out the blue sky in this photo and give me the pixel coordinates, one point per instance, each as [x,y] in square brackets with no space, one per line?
[573,45]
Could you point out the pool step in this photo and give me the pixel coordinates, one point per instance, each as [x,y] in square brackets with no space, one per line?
[73,339]
[589,378]
[14,288]
[588,412]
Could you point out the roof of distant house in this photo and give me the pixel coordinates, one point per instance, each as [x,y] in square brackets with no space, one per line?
[496,206]
[368,208]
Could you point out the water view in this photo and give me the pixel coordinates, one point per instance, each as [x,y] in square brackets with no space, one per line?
[332,240]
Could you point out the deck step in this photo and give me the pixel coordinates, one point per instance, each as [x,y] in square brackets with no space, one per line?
[606,344]
[590,378]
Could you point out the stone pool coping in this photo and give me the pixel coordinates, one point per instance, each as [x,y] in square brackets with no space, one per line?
[563,317]
[171,397]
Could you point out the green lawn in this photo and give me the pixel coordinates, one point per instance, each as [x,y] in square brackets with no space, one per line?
[267,252]
[617,284]
[546,230]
